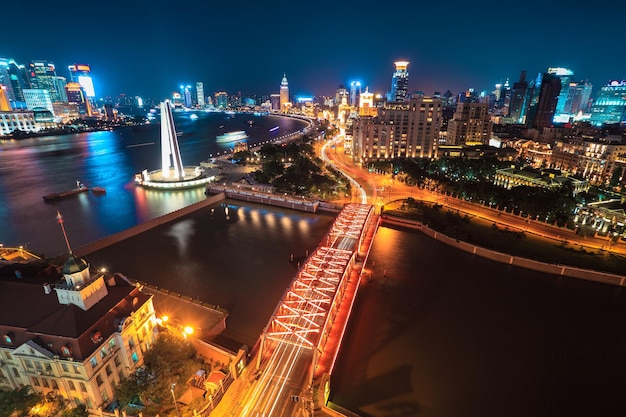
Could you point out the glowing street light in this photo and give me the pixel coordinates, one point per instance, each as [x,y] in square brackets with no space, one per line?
[174,397]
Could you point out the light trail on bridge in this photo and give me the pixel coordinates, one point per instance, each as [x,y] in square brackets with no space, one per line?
[298,330]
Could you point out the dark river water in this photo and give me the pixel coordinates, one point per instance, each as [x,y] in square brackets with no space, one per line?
[435,331]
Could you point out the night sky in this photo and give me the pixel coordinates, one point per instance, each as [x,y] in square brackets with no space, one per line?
[150,48]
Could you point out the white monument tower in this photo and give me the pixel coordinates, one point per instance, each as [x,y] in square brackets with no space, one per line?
[170,154]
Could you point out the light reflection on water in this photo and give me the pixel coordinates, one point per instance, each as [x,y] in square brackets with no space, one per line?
[32,168]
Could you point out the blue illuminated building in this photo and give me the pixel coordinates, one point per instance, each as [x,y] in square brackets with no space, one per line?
[610,105]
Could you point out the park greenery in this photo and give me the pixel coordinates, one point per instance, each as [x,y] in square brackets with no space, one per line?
[294,169]
[24,402]
[473,180]
[171,360]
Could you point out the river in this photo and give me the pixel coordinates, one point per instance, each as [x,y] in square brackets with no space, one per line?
[435,332]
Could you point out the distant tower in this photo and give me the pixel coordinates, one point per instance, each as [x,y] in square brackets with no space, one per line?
[400,81]
[200,93]
[284,93]
[518,98]
[355,93]
[170,154]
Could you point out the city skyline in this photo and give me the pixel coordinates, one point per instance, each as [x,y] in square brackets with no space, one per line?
[237,47]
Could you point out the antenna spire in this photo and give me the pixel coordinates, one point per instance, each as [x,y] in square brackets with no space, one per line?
[67,242]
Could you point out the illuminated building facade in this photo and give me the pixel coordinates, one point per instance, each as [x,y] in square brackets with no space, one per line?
[89,329]
[200,94]
[77,99]
[565,76]
[38,98]
[400,130]
[355,93]
[15,78]
[5,104]
[43,75]
[517,107]
[284,94]
[610,105]
[400,82]
[81,73]
[17,120]
[221,100]
[471,123]
[366,104]
[549,94]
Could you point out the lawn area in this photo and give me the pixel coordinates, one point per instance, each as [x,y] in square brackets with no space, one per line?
[487,234]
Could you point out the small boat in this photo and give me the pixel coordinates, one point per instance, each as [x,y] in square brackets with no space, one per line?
[274,129]
[80,188]
[98,190]
[232,137]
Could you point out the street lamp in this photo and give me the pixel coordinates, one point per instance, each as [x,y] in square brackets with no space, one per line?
[174,397]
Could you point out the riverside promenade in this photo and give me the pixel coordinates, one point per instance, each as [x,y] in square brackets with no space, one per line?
[556,269]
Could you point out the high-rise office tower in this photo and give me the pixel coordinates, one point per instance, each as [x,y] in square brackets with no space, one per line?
[341,92]
[355,93]
[548,99]
[471,122]
[400,82]
[565,77]
[400,130]
[610,105]
[77,98]
[284,93]
[42,75]
[15,78]
[221,100]
[200,93]
[81,73]
[578,98]
[518,98]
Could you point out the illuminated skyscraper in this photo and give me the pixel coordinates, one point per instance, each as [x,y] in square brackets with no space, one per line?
[399,82]
[42,75]
[518,99]
[355,93]
[400,130]
[565,77]
[284,93]
[15,78]
[610,105]
[548,99]
[221,100]
[200,93]
[81,73]
[471,123]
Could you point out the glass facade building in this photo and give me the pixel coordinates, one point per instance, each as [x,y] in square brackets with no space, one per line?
[610,105]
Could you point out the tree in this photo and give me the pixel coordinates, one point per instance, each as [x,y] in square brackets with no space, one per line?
[78,411]
[18,402]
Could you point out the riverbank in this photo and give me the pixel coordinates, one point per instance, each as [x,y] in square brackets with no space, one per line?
[556,269]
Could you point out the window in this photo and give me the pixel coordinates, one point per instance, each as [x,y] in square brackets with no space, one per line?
[76,369]
[103,352]
[112,343]
[94,361]
[131,342]
[98,380]
[135,357]
[108,370]
[116,360]
[82,386]
[44,382]
[54,384]
[28,364]
[70,383]
[35,382]
[105,396]
[15,373]
[64,366]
